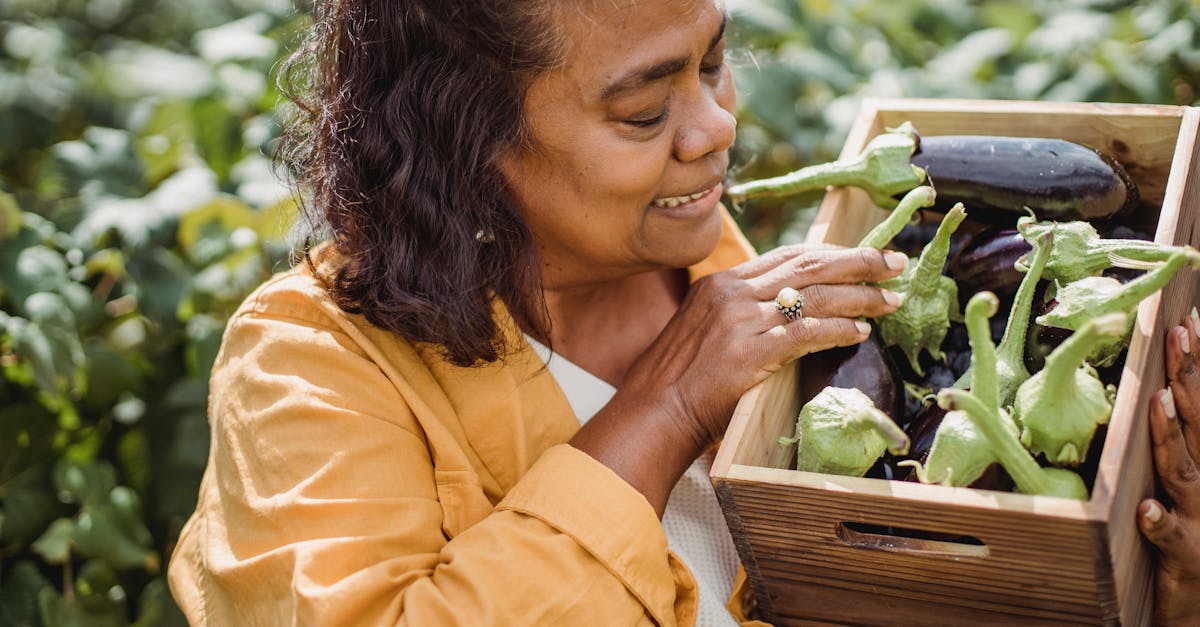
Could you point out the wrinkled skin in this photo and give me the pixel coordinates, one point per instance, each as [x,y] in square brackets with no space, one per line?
[1176,532]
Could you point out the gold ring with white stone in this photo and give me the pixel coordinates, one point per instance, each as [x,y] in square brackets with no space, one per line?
[790,303]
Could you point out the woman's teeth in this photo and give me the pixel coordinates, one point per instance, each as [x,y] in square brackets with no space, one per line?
[675,201]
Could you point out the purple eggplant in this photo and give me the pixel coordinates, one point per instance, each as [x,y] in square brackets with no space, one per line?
[998,178]
[865,366]
[987,262]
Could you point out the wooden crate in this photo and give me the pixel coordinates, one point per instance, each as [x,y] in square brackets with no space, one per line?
[807,539]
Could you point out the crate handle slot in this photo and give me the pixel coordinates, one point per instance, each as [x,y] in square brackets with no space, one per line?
[901,540]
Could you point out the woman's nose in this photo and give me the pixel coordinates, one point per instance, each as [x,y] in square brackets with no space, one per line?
[709,128]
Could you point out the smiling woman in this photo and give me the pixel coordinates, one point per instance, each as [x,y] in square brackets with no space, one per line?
[492,394]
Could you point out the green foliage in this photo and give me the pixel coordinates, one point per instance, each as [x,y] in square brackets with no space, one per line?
[137,208]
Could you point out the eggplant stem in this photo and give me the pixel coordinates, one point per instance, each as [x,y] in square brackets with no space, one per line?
[897,439]
[1011,350]
[882,169]
[1138,289]
[1019,464]
[884,232]
[984,384]
[1062,363]
[932,261]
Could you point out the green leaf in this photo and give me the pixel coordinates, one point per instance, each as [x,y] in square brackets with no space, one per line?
[49,342]
[156,608]
[133,454]
[204,334]
[204,231]
[109,532]
[26,430]
[10,217]
[55,544]
[19,594]
[159,279]
[60,611]
[96,579]
[84,483]
[29,502]
[26,270]
[110,374]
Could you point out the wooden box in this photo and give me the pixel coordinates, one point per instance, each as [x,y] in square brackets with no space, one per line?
[809,540]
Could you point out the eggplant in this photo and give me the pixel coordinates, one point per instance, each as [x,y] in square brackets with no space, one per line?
[865,366]
[997,178]
[921,434]
[987,262]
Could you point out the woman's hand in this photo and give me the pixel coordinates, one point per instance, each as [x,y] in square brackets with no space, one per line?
[678,397]
[1175,432]
[728,335]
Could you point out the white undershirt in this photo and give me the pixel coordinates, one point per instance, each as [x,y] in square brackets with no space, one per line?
[693,522]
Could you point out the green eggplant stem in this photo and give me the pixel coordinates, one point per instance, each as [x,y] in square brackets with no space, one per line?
[1011,350]
[932,261]
[882,170]
[1062,363]
[984,383]
[884,232]
[1019,464]
[1137,290]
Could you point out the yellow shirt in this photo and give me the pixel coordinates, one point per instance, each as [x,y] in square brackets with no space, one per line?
[356,479]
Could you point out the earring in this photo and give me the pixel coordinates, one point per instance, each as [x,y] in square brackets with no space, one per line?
[485,236]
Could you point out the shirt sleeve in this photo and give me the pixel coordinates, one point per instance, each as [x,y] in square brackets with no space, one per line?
[320,506]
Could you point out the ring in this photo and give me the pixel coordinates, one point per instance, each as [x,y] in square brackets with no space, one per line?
[790,303]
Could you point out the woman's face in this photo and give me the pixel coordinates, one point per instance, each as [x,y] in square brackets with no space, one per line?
[632,138]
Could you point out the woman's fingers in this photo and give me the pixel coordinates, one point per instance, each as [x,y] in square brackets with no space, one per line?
[1166,531]
[777,256]
[809,335]
[817,267]
[838,301]
[1183,377]
[1177,469]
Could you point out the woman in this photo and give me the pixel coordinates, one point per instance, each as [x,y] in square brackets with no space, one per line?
[527,331]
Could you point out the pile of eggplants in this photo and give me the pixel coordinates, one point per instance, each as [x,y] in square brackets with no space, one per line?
[1026,267]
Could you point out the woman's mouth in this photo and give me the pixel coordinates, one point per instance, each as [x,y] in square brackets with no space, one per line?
[670,202]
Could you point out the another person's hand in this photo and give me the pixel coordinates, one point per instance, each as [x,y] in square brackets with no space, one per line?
[1175,432]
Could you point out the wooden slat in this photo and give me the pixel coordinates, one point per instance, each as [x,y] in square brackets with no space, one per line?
[1047,560]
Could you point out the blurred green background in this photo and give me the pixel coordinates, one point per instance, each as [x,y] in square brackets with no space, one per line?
[138,206]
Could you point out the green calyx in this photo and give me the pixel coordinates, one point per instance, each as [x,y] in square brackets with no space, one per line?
[960,453]
[930,299]
[1059,408]
[882,169]
[841,432]
[981,405]
[1080,252]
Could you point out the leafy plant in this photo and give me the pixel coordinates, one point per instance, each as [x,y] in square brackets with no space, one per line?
[137,209]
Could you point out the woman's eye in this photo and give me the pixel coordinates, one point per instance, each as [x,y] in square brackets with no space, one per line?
[713,68]
[646,121]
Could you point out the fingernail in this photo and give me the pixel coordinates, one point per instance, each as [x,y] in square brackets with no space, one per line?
[863,327]
[1195,321]
[1185,344]
[1167,400]
[895,260]
[1153,512]
[892,298]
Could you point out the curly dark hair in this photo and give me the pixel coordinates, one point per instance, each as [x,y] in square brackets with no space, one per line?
[404,109]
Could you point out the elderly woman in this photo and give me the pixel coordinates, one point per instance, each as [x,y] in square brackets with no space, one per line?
[492,395]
